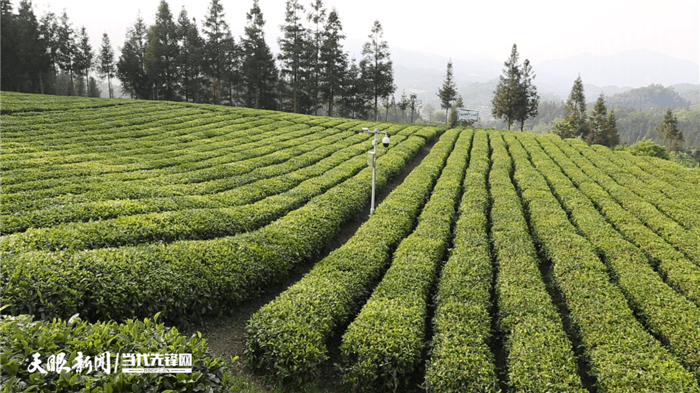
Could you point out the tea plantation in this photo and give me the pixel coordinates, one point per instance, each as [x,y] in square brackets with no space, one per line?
[503,262]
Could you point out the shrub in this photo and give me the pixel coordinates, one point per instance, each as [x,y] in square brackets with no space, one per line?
[647,147]
[21,338]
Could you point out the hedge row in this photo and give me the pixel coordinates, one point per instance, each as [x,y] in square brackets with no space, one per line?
[132,167]
[184,224]
[122,154]
[460,359]
[677,270]
[622,355]
[153,129]
[539,354]
[286,137]
[681,213]
[71,208]
[287,337]
[685,241]
[677,177]
[255,185]
[22,337]
[671,317]
[25,126]
[122,163]
[13,102]
[689,175]
[686,194]
[79,132]
[382,347]
[188,279]
[237,164]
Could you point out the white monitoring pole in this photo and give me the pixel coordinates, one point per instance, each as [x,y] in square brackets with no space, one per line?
[372,159]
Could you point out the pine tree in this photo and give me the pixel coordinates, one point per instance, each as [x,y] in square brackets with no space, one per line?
[333,60]
[508,98]
[598,125]
[403,104]
[293,46]
[32,59]
[258,69]
[448,92]
[415,105]
[354,92]
[93,89]
[377,67]
[189,57]
[9,51]
[317,16]
[575,122]
[529,100]
[217,43]
[131,67]
[612,138]
[162,54]
[105,63]
[66,51]
[84,57]
[232,66]
[48,30]
[668,131]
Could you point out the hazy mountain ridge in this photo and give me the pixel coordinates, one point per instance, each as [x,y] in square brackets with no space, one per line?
[423,73]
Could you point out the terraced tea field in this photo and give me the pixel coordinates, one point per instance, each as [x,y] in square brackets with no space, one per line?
[503,261]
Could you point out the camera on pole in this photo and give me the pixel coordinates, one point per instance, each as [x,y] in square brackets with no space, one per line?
[372,158]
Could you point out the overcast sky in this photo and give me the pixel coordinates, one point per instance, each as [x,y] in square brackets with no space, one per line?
[465,30]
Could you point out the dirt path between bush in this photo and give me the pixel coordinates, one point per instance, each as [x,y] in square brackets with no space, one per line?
[226,335]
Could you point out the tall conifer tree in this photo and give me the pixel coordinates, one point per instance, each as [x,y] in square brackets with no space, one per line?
[131,67]
[377,67]
[668,131]
[612,138]
[10,47]
[84,57]
[317,16]
[258,68]
[575,123]
[66,50]
[508,98]
[403,104]
[48,31]
[189,57]
[598,125]
[105,63]
[217,36]
[448,92]
[333,60]
[162,54]
[529,100]
[293,46]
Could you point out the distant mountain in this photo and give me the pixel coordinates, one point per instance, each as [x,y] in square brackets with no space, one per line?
[689,92]
[635,68]
[423,73]
[652,96]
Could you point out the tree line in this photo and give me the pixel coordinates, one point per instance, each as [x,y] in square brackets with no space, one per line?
[631,123]
[45,55]
[516,100]
[174,59]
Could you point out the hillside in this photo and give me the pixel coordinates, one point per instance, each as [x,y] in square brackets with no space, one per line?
[503,260]
[476,76]
[650,97]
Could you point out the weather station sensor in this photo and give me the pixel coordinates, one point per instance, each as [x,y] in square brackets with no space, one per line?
[372,158]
